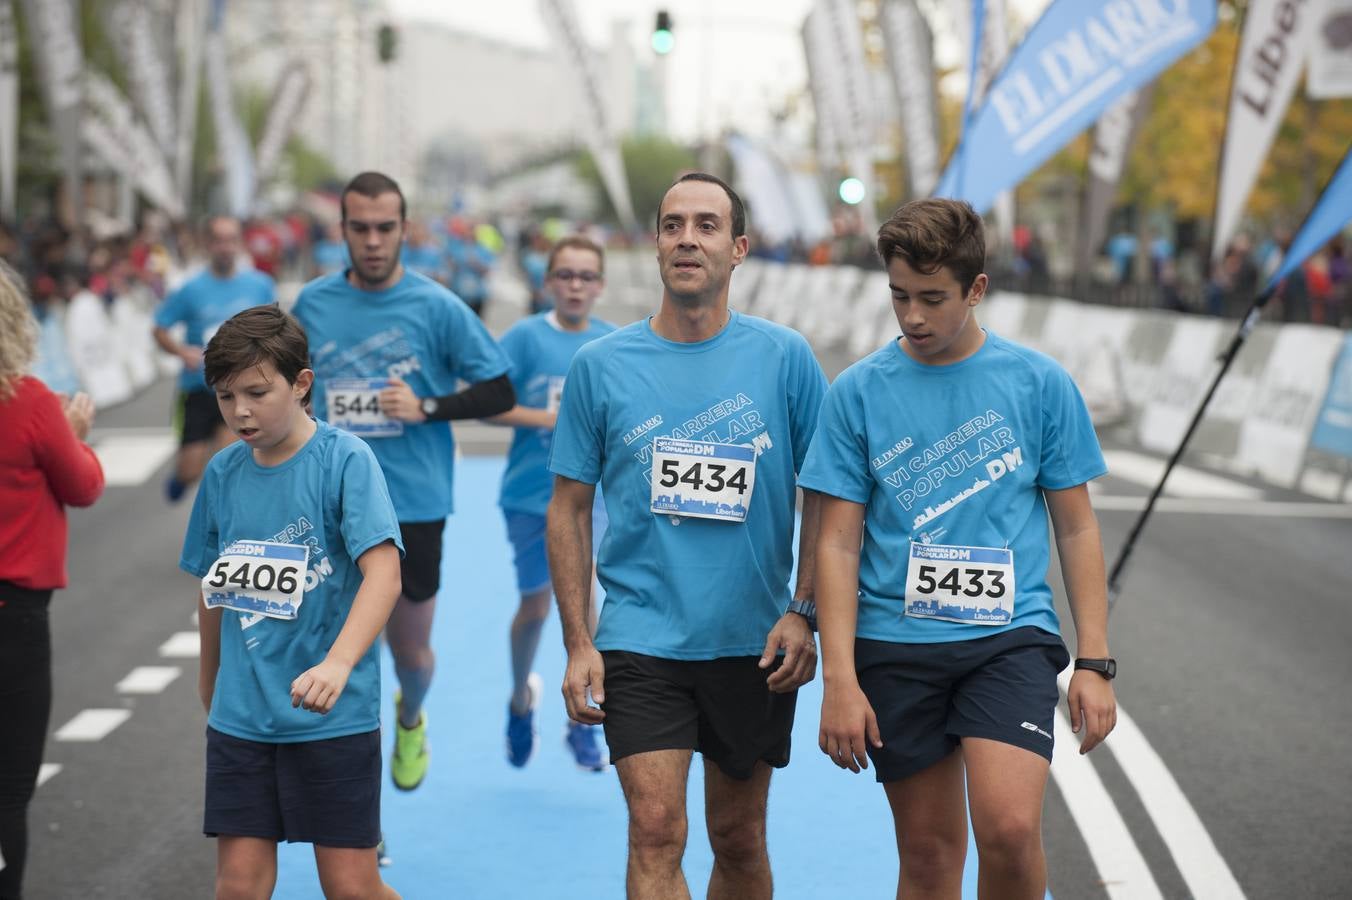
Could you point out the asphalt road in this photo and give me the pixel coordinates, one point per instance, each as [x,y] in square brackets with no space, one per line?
[1232,637]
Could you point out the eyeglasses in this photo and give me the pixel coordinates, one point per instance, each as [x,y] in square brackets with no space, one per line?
[564,276]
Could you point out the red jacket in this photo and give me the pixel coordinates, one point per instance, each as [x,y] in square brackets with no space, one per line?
[43,469]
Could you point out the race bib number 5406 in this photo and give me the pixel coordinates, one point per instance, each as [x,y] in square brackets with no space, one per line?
[970,585]
[258,577]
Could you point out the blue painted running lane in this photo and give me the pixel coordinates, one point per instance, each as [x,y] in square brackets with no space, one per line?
[478,829]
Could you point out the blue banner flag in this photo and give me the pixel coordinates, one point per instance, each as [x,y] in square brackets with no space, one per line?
[1076,60]
[1328,217]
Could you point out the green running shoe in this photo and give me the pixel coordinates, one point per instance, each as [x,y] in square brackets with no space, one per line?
[408,764]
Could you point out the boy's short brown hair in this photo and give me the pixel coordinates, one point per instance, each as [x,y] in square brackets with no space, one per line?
[252,336]
[933,233]
[578,242]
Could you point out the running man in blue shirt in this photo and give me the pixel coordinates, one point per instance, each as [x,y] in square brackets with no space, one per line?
[541,348]
[940,457]
[294,537]
[694,422]
[201,305]
[390,347]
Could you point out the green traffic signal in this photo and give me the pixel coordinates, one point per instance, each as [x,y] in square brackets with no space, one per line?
[663,41]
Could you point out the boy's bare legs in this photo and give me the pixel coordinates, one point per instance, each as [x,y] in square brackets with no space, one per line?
[246,868]
[1007,784]
[347,873]
[930,813]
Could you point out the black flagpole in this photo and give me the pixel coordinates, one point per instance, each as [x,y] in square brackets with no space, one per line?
[1228,357]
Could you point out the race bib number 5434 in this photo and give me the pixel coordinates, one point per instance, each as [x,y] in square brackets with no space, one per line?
[970,585]
[354,405]
[702,479]
[258,577]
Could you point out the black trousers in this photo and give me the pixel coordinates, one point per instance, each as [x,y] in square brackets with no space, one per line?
[25,706]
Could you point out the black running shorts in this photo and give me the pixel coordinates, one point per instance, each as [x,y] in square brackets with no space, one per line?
[720,707]
[420,568]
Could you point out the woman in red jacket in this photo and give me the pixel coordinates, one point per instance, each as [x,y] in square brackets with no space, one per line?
[44,467]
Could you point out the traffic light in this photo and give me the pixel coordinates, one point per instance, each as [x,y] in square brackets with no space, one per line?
[387,40]
[663,40]
[852,190]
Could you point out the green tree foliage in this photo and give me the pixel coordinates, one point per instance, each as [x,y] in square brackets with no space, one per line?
[651,164]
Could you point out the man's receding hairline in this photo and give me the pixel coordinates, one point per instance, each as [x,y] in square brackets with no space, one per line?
[346,213]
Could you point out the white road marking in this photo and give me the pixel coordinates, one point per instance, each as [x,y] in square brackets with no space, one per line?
[1119,862]
[130,457]
[48,771]
[1282,509]
[182,645]
[148,679]
[92,724]
[1183,480]
[1195,854]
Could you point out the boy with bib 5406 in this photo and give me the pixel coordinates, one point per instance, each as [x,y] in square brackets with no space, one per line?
[297,545]
[939,457]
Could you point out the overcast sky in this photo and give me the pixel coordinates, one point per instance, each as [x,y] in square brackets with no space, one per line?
[733,61]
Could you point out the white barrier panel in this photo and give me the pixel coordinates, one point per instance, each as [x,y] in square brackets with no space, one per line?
[52,366]
[746,280]
[92,346]
[842,301]
[132,324]
[1002,312]
[1180,379]
[1276,430]
[1090,342]
[873,325]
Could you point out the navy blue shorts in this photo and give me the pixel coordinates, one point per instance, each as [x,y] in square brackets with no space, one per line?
[928,697]
[526,532]
[315,792]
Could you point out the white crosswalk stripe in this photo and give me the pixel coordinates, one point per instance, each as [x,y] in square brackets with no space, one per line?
[92,724]
[182,644]
[1184,481]
[148,679]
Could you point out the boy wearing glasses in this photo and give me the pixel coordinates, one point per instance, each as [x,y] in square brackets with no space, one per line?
[541,349]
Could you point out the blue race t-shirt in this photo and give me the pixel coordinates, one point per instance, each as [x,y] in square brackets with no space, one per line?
[681,587]
[540,351]
[955,455]
[203,304]
[420,332]
[331,498]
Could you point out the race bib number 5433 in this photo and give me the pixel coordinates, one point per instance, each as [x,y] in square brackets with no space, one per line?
[970,585]
[258,577]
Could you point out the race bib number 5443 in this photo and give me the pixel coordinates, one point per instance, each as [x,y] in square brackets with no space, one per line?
[970,585]
[258,577]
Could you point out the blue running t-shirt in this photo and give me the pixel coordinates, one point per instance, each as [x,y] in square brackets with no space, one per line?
[420,332]
[331,498]
[540,351]
[203,304]
[681,587]
[956,455]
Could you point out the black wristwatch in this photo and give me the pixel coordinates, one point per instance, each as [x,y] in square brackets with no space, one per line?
[807,608]
[1106,667]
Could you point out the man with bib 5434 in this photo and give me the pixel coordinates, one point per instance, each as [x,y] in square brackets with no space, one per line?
[694,422]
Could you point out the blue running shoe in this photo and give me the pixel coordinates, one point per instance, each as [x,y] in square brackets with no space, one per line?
[587,752]
[521,728]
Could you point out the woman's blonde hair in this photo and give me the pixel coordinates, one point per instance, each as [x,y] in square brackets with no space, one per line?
[18,330]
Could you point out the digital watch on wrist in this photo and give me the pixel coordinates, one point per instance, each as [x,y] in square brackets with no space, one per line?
[807,608]
[1107,667]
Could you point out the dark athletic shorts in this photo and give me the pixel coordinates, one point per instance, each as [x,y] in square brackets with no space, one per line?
[421,566]
[927,697]
[720,707]
[315,792]
[201,417]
